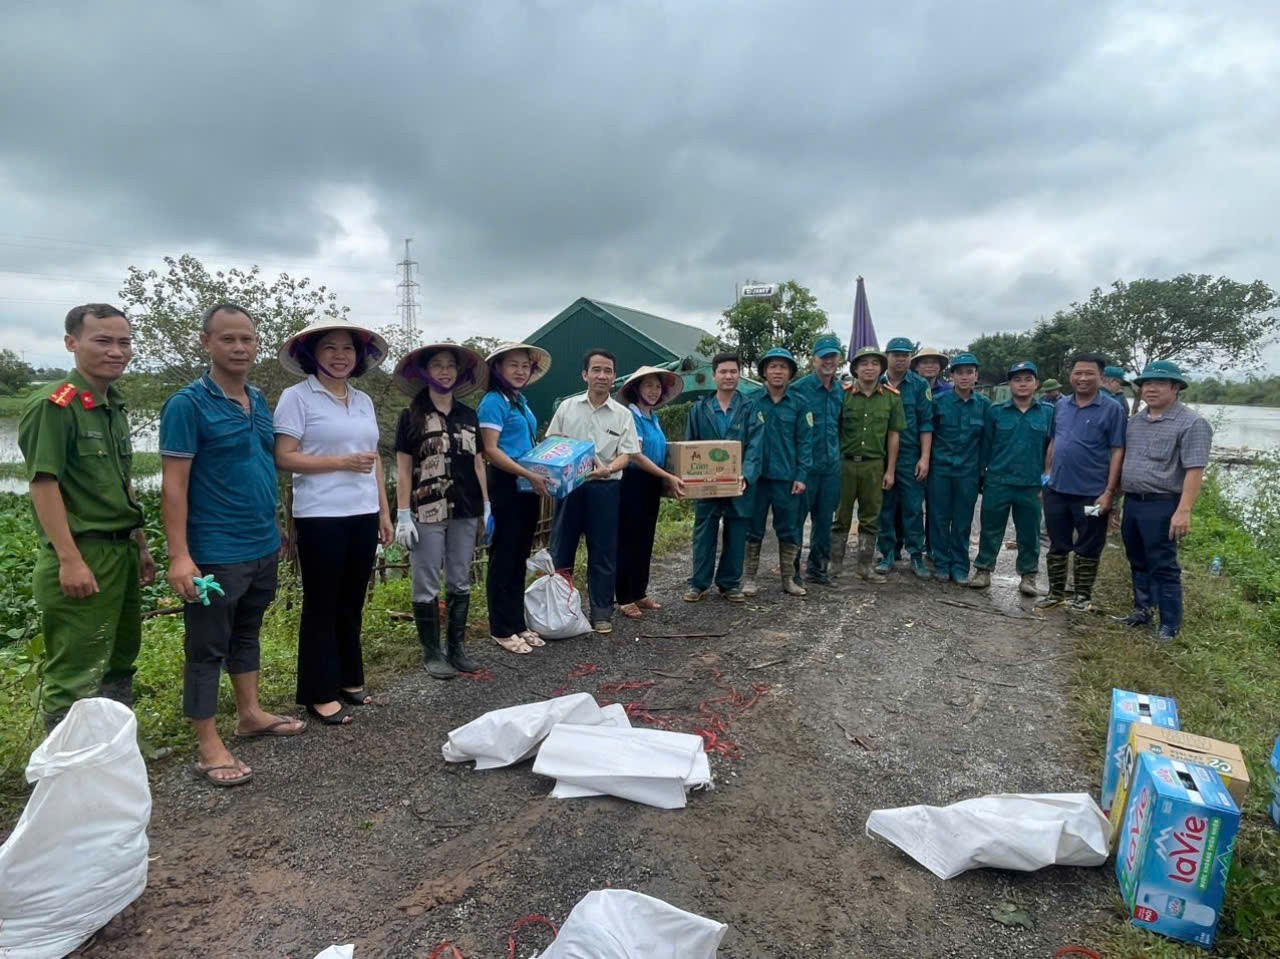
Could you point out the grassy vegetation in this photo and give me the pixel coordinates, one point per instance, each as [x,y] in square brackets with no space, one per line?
[144,464]
[1224,672]
[11,405]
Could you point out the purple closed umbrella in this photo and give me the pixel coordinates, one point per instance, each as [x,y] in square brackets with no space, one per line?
[864,332]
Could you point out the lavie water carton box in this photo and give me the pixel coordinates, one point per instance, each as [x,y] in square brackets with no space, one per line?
[1223,758]
[1126,709]
[1275,784]
[1175,850]
[709,468]
[564,462]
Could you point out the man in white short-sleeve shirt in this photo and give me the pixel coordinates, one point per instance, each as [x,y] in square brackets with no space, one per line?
[593,507]
[325,425]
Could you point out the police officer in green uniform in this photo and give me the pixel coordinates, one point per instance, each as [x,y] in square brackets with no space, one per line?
[870,425]
[1015,438]
[906,496]
[786,456]
[724,415]
[955,469]
[93,559]
[820,394]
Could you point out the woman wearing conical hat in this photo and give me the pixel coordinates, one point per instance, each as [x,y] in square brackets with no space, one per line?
[508,428]
[327,437]
[440,494]
[643,483]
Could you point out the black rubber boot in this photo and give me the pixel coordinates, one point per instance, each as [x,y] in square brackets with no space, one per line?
[1086,576]
[457,608]
[426,616]
[119,690]
[1056,563]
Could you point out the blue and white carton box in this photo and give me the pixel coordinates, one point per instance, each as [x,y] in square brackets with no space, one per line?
[1175,850]
[1126,709]
[1275,783]
[566,463]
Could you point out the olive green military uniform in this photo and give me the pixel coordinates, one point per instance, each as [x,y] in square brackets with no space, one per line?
[865,425]
[81,438]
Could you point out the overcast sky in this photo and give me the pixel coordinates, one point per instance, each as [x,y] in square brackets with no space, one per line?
[981,164]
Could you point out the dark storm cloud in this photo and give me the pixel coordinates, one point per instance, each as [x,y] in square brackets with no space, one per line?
[981,164]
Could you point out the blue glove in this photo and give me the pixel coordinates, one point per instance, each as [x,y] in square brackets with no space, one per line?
[488,524]
[1044,479]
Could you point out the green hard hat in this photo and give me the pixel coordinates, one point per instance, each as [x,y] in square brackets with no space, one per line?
[1050,385]
[826,344]
[900,344]
[869,351]
[1114,373]
[1162,370]
[777,353]
[964,359]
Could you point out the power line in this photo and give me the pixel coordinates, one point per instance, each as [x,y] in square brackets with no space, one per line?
[408,296]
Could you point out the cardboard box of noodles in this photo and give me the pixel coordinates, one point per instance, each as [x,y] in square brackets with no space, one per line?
[709,468]
[1175,850]
[1224,758]
[566,463]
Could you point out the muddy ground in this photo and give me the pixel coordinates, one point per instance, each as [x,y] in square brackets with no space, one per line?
[872,697]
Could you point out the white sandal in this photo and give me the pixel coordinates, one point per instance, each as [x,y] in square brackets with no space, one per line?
[513,644]
[532,638]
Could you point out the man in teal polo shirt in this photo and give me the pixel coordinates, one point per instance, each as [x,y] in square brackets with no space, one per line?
[1015,439]
[906,497]
[820,394]
[219,492]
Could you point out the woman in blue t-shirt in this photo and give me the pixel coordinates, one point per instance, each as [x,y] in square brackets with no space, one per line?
[507,429]
[643,483]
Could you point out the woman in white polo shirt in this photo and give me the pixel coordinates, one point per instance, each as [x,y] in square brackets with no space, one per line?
[327,437]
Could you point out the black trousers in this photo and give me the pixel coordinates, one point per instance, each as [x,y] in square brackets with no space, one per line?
[637,524]
[515,520]
[335,554]
[1070,530]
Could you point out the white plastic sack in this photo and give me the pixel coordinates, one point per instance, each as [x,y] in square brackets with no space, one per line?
[552,606]
[502,737]
[338,952]
[620,924]
[78,854]
[1006,831]
[649,766]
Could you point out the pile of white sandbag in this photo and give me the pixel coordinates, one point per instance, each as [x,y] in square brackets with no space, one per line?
[587,749]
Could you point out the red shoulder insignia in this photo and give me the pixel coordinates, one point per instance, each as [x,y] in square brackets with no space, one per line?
[886,386]
[86,400]
[63,395]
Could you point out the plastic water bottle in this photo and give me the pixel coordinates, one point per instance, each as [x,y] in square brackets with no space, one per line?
[1215,568]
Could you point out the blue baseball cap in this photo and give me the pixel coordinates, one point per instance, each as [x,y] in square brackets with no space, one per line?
[900,344]
[1026,366]
[826,345]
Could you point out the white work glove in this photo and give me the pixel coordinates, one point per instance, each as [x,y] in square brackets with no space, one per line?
[406,531]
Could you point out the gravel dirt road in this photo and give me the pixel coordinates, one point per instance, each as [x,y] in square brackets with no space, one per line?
[851,699]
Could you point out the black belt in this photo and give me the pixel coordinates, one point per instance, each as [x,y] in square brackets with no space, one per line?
[114,535]
[1152,497]
[863,459]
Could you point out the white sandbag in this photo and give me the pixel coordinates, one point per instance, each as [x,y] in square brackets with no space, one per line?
[620,924]
[649,766]
[1007,831]
[552,605]
[338,952]
[502,737]
[78,854]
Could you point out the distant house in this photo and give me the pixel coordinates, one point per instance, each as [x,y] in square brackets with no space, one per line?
[635,337]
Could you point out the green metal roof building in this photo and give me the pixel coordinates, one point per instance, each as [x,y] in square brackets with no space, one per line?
[635,337]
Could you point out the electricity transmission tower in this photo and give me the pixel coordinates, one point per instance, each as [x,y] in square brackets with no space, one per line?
[408,288]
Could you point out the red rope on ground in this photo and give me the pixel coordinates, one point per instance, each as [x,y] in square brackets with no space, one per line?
[1076,951]
[711,725]
[530,920]
[442,947]
[612,689]
[581,671]
[483,675]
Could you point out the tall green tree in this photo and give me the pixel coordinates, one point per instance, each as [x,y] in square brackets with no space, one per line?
[165,311]
[15,373]
[754,328]
[1192,319]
